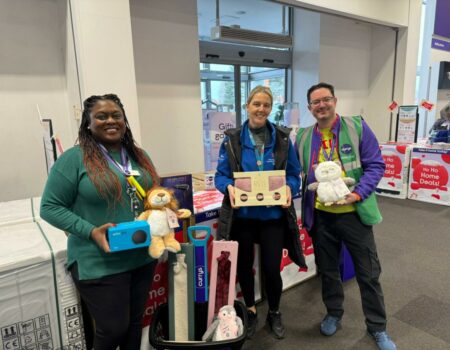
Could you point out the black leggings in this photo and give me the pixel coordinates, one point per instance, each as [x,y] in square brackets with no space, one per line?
[116,303]
[269,235]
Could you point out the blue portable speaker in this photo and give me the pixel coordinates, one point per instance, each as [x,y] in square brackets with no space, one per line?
[129,235]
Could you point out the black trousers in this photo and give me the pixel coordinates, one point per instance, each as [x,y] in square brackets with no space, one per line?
[269,235]
[328,233]
[116,303]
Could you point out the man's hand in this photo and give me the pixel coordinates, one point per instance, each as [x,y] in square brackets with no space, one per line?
[98,235]
[288,198]
[352,198]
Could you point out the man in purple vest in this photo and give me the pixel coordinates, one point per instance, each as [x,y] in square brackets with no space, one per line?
[350,141]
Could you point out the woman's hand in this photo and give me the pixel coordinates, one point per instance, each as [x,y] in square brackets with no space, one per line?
[98,235]
[183,213]
[288,197]
[230,189]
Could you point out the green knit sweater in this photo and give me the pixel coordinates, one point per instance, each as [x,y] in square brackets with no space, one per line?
[71,203]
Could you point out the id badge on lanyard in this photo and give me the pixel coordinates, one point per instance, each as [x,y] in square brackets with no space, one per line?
[329,157]
[134,189]
[259,153]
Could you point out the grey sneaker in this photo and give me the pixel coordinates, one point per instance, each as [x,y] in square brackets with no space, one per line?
[330,325]
[384,342]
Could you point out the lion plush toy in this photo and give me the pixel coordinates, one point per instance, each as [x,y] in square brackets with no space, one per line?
[331,187]
[162,214]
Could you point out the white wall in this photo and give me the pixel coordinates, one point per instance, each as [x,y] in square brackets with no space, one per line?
[104,48]
[381,72]
[166,53]
[305,60]
[358,59]
[349,54]
[345,62]
[386,12]
[408,48]
[439,56]
[32,71]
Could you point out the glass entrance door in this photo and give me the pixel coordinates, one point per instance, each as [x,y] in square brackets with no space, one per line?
[224,93]
[274,78]
[222,88]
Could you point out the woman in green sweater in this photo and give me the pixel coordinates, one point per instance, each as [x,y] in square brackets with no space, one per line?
[86,193]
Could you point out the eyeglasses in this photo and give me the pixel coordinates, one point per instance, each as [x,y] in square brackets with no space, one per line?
[328,99]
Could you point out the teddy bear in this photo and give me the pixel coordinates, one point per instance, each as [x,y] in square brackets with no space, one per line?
[226,326]
[330,186]
[162,214]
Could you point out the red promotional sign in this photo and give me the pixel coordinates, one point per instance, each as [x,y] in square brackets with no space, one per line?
[307,247]
[401,149]
[157,294]
[393,165]
[427,105]
[446,158]
[393,106]
[285,260]
[429,176]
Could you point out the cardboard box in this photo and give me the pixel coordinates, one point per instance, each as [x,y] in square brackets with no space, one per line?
[39,305]
[203,181]
[256,188]
[19,211]
[207,200]
[181,184]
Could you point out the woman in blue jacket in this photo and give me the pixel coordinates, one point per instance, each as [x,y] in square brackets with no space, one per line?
[259,145]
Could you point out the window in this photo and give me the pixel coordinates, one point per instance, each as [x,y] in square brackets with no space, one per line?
[256,15]
[230,70]
[219,90]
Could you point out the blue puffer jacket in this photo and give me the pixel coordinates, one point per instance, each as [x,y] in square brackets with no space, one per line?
[237,154]
[224,174]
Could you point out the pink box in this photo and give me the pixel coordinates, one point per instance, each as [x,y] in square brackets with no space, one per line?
[218,248]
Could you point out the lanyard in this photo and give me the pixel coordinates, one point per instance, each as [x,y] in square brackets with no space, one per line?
[259,153]
[125,168]
[330,156]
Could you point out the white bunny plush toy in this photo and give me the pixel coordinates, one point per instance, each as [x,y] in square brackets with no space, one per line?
[330,186]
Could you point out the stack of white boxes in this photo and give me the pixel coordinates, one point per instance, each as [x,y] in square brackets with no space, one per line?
[19,211]
[39,305]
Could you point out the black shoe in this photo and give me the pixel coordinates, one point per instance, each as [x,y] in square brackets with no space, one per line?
[275,324]
[252,322]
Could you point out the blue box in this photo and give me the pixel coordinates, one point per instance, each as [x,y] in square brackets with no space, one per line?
[346,266]
[181,184]
[129,235]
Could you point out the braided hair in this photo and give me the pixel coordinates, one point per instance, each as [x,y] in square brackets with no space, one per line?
[104,179]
